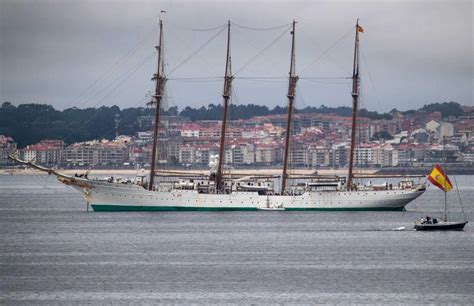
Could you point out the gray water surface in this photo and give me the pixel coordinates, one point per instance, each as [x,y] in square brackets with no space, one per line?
[53,251]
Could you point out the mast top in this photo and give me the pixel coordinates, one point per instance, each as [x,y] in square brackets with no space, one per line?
[160,81]
[291,96]
[226,95]
[355,102]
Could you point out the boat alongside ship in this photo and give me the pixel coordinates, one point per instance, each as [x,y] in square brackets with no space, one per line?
[222,191]
[440,179]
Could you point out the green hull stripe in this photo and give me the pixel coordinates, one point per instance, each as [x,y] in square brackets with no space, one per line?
[97,207]
[351,209]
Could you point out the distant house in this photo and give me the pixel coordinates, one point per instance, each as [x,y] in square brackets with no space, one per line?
[7,147]
[420,136]
[440,153]
[432,126]
[440,129]
[445,130]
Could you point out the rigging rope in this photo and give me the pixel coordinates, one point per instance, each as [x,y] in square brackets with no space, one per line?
[257,78]
[36,178]
[141,101]
[137,67]
[262,51]
[197,30]
[126,75]
[184,44]
[344,36]
[130,73]
[260,77]
[337,64]
[280,81]
[262,29]
[323,81]
[198,79]
[39,178]
[240,34]
[195,52]
[460,200]
[299,97]
[370,78]
[121,61]
[194,78]
[326,78]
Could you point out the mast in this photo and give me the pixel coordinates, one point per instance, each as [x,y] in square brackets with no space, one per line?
[445,179]
[160,81]
[292,79]
[226,95]
[355,103]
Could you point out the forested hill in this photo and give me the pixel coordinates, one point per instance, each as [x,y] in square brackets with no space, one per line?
[30,123]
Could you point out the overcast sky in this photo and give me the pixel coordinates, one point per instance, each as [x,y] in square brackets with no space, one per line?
[92,53]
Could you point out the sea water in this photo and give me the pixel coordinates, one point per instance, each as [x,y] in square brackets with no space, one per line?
[53,251]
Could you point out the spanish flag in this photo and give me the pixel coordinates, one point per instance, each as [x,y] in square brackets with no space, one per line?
[440,179]
[360,29]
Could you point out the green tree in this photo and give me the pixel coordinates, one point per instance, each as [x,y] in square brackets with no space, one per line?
[446,108]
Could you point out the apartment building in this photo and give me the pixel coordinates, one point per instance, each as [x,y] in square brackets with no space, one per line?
[96,153]
[47,152]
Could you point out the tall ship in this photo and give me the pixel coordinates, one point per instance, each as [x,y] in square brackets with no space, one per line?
[220,190]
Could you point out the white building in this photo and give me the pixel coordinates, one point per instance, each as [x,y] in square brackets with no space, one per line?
[96,153]
[384,155]
[320,156]
[47,152]
[446,129]
[440,129]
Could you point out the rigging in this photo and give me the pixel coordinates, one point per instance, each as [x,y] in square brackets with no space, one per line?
[292,80]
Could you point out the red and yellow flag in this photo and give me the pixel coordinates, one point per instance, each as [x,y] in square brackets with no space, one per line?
[440,179]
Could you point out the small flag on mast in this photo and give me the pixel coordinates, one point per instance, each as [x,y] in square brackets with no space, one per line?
[440,179]
[360,29]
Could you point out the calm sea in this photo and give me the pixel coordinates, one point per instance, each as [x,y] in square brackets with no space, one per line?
[53,251]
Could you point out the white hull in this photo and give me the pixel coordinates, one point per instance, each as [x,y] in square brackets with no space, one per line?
[104,196]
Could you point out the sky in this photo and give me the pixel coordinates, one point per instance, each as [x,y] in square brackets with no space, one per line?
[94,53]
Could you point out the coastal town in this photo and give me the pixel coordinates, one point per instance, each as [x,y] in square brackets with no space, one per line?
[321,141]
[236,152]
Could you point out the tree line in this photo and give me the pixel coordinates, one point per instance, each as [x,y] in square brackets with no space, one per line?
[30,123]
